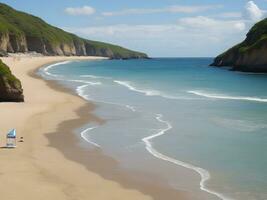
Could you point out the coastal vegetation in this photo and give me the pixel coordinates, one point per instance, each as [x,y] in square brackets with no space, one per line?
[22,32]
[249,55]
[10,86]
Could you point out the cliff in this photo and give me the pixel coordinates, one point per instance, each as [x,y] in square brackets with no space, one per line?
[21,32]
[251,54]
[10,86]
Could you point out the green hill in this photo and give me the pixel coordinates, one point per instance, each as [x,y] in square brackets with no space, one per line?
[10,86]
[251,54]
[22,32]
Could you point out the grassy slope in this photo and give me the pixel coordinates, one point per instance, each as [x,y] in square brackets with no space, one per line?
[11,79]
[16,23]
[256,38]
[116,49]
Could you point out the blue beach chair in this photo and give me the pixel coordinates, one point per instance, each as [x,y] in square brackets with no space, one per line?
[11,138]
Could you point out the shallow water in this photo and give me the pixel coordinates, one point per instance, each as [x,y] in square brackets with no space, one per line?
[178,113]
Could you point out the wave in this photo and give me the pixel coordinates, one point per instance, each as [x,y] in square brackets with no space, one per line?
[84,135]
[81,92]
[46,70]
[240,125]
[79,89]
[81,81]
[251,73]
[131,108]
[53,65]
[226,97]
[94,77]
[150,92]
[204,174]
[146,92]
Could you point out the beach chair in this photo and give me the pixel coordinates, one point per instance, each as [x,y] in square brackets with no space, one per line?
[11,138]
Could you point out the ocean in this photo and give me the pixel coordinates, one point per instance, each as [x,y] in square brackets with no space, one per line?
[198,128]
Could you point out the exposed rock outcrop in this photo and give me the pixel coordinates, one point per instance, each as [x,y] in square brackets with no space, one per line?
[10,87]
[251,54]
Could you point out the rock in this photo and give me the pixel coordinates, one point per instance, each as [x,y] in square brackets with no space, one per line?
[251,54]
[3,54]
[10,87]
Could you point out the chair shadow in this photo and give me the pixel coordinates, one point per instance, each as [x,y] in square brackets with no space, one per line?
[5,147]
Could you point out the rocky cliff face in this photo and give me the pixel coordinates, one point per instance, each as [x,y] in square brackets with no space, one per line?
[10,86]
[23,44]
[11,43]
[21,32]
[251,54]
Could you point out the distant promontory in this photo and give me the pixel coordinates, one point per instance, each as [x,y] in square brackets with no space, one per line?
[251,54]
[21,33]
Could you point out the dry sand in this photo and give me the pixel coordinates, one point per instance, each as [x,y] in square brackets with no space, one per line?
[50,164]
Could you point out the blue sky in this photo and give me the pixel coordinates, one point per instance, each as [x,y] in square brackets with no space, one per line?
[161,28]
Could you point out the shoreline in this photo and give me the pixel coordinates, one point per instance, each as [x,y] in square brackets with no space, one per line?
[65,150]
[102,164]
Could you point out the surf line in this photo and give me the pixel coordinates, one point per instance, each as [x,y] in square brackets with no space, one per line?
[226,97]
[128,85]
[79,90]
[84,135]
[204,174]
[60,77]
[53,65]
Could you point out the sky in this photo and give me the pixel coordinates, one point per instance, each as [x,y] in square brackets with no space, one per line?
[160,28]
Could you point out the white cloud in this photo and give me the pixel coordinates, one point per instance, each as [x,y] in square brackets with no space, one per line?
[240,26]
[198,22]
[192,9]
[85,10]
[253,12]
[231,15]
[210,24]
[189,36]
[196,36]
[170,9]
[132,12]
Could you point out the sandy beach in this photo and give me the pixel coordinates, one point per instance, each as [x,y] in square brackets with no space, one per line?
[50,164]
[34,170]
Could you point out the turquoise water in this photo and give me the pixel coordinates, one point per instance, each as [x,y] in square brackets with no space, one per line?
[178,114]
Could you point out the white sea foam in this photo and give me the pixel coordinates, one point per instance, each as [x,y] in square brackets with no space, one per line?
[204,174]
[79,89]
[129,86]
[85,136]
[131,108]
[226,97]
[81,92]
[240,125]
[86,82]
[46,70]
[150,92]
[94,77]
[251,73]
